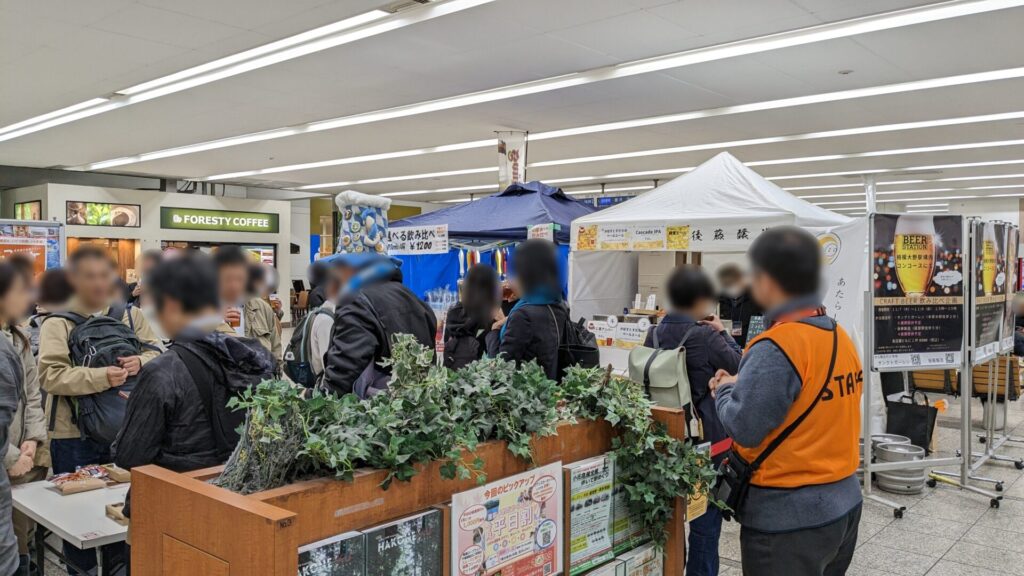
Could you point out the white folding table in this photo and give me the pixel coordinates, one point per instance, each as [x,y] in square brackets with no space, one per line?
[80,519]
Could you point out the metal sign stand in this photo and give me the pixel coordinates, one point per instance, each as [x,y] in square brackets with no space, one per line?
[992,444]
[967,384]
[963,457]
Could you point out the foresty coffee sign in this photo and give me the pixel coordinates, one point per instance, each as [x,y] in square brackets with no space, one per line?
[218,220]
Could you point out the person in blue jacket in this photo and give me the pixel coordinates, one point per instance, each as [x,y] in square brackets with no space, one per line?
[692,324]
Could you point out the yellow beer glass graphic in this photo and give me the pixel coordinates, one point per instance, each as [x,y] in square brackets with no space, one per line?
[914,253]
[989,254]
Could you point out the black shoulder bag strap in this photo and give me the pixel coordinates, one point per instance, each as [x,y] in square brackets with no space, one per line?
[793,426]
[75,319]
[202,377]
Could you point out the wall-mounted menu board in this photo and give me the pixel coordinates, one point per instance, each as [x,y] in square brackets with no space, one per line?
[918,291]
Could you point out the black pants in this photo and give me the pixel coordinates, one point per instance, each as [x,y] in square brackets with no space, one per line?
[823,551]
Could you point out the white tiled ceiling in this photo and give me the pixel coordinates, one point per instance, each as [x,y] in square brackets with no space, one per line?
[54,53]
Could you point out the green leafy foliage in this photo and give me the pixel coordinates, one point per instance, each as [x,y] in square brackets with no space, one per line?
[654,467]
[431,414]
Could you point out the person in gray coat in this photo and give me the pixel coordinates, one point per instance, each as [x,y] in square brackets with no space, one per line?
[13,302]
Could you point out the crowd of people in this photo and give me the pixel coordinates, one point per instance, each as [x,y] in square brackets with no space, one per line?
[97,371]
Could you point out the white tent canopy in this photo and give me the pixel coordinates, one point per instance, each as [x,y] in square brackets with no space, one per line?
[720,193]
[719,207]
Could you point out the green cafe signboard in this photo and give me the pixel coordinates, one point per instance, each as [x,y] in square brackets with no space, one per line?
[218,220]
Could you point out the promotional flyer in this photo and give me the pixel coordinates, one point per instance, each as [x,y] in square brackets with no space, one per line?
[341,555]
[1012,285]
[511,527]
[988,256]
[590,519]
[918,291]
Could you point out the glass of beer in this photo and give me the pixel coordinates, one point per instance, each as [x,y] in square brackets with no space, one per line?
[989,255]
[914,253]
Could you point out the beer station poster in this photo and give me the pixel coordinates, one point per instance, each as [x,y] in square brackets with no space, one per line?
[510,527]
[988,257]
[918,291]
[1012,285]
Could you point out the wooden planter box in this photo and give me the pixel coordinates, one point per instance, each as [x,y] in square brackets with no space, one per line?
[183,526]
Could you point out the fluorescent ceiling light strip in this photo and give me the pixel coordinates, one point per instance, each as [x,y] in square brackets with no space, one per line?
[940,205]
[371,23]
[608,190]
[930,210]
[790,138]
[919,190]
[484,188]
[899,182]
[398,178]
[457,200]
[799,37]
[905,169]
[653,121]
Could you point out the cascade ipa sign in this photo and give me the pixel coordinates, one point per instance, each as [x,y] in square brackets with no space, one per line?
[218,220]
[918,287]
[988,241]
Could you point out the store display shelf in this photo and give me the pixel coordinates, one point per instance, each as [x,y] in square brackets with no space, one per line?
[183,525]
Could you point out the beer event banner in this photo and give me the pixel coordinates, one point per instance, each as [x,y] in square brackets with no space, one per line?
[418,240]
[1012,286]
[917,264]
[719,237]
[988,258]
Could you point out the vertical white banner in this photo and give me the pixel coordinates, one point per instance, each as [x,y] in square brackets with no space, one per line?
[511,158]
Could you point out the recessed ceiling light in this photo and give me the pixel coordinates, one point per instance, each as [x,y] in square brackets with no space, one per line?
[799,37]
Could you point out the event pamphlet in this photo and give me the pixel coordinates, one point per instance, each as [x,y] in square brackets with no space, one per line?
[918,291]
[341,555]
[643,561]
[614,568]
[589,484]
[628,530]
[511,527]
[410,545]
[988,256]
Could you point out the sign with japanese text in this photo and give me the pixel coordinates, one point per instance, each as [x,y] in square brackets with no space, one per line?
[917,264]
[613,236]
[677,237]
[418,240]
[511,158]
[511,527]
[541,231]
[989,279]
[1012,280]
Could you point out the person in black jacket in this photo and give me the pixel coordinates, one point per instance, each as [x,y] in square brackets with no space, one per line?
[535,325]
[735,304]
[317,274]
[373,306]
[134,291]
[168,420]
[470,323]
[709,348]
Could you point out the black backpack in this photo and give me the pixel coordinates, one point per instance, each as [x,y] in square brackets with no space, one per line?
[297,360]
[577,346]
[97,342]
[224,423]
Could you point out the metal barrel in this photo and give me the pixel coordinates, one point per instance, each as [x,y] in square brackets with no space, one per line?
[900,481]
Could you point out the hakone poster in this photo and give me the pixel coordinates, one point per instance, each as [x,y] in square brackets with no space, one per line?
[988,256]
[511,527]
[918,291]
[1012,285]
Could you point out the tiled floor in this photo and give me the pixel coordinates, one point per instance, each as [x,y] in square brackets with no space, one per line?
[945,531]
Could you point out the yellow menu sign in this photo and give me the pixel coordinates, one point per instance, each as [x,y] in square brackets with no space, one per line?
[586,237]
[677,237]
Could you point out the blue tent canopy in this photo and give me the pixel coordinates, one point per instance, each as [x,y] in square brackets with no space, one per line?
[507,215]
[504,216]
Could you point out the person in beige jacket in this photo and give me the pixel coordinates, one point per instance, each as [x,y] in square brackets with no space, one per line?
[93,276]
[247,314]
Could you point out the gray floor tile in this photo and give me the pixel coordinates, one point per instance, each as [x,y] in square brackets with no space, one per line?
[891,560]
[897,536]
[862,571]
[867,530]
[922,524]
[1004,518]
[876,513]
[948,568]
[1000,561]
[729,546]
[995,538]
[951,504]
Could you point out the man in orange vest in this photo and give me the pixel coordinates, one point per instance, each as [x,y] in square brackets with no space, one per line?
[793,412]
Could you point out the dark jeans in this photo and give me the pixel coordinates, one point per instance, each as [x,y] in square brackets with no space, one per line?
[68,455]
[702,554]
[823,551]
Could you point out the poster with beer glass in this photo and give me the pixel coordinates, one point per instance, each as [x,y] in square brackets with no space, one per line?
[918,291]
[988,257]
[1012,286]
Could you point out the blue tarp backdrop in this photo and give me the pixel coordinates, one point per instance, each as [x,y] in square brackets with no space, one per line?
[504,216]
